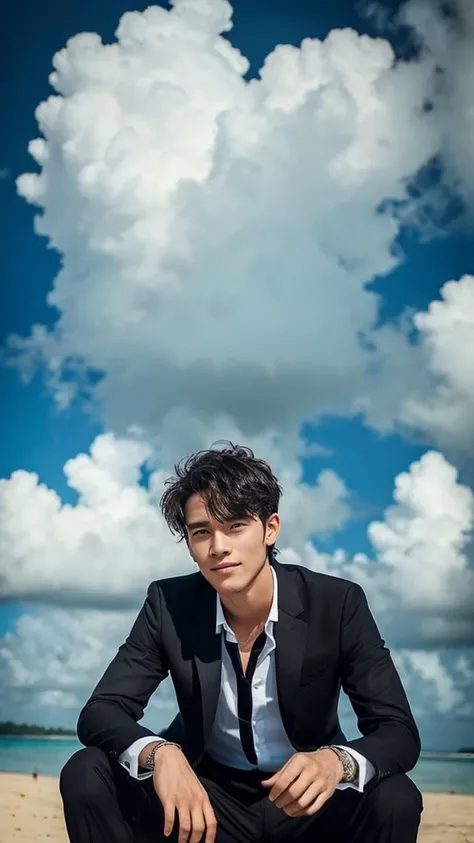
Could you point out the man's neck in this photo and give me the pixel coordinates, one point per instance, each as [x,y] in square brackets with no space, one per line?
[252,606]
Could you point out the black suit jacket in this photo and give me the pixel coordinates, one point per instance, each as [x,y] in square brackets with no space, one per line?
[326,638]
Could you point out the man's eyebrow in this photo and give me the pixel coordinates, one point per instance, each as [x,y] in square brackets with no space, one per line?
[194,525]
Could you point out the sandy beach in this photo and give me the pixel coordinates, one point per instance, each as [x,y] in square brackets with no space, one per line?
[31,811]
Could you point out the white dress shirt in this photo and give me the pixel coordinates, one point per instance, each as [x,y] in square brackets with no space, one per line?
[272,745]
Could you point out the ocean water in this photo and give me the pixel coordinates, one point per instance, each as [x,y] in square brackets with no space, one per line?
[21,755]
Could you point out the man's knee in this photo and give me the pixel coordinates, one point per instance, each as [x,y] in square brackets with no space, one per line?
[397,796]
[84,775]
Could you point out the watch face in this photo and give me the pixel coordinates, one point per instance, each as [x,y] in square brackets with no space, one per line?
[350,768]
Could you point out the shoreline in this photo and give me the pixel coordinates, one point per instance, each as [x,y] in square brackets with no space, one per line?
[50,777]
[31,811]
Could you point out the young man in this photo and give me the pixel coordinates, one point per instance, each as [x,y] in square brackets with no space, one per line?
[257,653]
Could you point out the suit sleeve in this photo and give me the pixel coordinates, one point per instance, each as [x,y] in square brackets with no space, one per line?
[390,738]
[109,718]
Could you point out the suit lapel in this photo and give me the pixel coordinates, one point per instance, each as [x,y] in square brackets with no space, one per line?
[290,636]
[208,653]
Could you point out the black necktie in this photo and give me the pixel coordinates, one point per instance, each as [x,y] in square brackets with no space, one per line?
[244,692]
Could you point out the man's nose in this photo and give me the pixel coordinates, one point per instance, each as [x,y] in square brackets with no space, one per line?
[219,545]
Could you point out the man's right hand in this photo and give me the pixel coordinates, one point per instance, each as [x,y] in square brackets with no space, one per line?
[179,790]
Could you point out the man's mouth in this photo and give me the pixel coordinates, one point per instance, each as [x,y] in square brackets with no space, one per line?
[225,566]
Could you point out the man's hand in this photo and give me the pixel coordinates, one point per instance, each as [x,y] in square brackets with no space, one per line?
[305,782]
[179,789]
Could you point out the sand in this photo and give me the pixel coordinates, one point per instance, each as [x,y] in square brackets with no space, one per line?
[31,811]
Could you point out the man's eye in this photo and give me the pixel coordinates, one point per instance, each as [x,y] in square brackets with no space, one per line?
[200,532]
[238,524]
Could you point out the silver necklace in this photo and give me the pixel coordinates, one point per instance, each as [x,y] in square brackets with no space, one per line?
[259,627]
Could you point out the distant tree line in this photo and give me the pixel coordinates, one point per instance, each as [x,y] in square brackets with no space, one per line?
[7,727]
[467,749]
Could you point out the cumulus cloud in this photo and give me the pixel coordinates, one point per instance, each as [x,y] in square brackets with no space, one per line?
[217,237]
[445,410]
[437,402]
[435,683]
[108,547]
[446,30]
[105,549]
[440,688]
[420,580]
[54,657]
[218,234]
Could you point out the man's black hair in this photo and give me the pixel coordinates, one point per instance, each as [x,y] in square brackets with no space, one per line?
[232,481]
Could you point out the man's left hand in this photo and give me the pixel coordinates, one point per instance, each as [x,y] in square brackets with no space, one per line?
[305,782]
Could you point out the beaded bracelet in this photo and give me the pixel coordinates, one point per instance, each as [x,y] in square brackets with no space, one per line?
[150,759]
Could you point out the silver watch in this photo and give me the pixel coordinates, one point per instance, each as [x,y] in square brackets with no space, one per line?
[350,767]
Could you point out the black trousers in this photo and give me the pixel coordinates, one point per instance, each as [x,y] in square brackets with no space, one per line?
[102,804]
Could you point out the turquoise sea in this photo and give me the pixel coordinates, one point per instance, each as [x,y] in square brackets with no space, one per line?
[434,771]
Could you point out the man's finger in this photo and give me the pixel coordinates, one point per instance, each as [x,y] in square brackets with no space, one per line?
[298,806]
[271,781]
[288,774]
[295,790]
[211,824]
[198,824]
[315,806]
[287,777]
[184,819]
[169,811]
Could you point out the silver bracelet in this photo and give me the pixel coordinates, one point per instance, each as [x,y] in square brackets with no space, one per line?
[150,759]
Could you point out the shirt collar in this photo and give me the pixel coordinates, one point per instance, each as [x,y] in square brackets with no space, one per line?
[272,615]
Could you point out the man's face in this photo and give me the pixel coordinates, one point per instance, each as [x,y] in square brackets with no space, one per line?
[230,554]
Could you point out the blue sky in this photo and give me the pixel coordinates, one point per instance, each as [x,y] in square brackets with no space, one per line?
[39,438]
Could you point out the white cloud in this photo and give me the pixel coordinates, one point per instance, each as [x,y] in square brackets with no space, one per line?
[427,388]
[450,39]
[438,691]
[446,409]
[107,548]
[53,659]
[433,683]
[217,238]
[218,234]
[420,582]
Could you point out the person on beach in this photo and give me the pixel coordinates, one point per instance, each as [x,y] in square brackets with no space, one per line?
[258,652]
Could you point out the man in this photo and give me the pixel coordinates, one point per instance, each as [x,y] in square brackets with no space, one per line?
[257,653]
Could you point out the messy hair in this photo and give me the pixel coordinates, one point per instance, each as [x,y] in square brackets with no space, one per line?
[233,483]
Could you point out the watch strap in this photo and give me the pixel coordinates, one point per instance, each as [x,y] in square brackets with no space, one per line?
[350,767]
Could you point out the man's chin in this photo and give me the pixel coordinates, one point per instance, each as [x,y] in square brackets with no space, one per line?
[232,584]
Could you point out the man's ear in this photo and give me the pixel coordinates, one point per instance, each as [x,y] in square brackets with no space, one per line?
[272,529]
